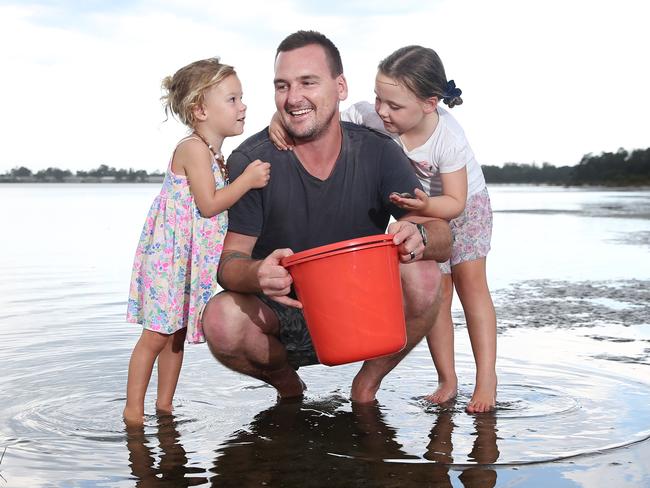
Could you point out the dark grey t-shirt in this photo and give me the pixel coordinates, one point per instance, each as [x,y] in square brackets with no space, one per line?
[298,211]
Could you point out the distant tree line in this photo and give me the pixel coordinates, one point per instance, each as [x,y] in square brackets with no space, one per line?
[620,168]
[59,175]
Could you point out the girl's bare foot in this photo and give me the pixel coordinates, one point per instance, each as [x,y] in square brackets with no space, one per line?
[133,418]
[164,409]
[484,398]
[446,391]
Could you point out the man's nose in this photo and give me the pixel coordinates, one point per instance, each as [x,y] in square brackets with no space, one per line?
[294,95]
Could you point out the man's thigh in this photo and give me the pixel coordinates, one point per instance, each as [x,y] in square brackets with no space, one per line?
[239,311]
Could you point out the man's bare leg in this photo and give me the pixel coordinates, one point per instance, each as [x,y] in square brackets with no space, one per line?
[420,287]
[242,333]
[441,345]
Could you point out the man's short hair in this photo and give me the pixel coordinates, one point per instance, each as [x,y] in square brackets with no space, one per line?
[304,38]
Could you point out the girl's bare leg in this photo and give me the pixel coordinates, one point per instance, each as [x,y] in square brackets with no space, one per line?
[141,364]
[170,361]
[441,345]
[472,288]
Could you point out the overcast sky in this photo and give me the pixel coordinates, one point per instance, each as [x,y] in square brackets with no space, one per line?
[542,81]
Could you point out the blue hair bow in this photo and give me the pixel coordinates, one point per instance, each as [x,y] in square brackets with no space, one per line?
[451,91]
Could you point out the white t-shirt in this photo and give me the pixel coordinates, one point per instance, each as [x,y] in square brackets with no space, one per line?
[446,151]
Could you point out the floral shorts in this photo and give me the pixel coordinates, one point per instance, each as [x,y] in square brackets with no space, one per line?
[471,231]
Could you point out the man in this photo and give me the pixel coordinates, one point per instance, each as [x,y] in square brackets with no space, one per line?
[333,186]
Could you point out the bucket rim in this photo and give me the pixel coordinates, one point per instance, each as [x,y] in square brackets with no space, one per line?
[341,246]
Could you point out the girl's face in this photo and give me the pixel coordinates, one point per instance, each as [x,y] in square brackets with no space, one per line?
[224,110]
[400,110]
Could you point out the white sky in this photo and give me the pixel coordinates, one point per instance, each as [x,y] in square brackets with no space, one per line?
[542,81]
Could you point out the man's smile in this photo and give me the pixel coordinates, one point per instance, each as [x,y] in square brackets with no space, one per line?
[300,111]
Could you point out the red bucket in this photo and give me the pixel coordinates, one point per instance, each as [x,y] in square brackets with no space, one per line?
[352,297]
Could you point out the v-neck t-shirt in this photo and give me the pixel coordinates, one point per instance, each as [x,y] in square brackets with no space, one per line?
[296,210]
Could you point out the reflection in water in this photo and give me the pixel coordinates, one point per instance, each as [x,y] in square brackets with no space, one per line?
[172,466]
[484,450]
[323,442]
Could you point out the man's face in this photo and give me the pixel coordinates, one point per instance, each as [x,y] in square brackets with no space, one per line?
[306,95]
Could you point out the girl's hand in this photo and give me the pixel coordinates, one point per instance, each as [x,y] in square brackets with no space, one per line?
[279,135]
[416,204]
[257,174]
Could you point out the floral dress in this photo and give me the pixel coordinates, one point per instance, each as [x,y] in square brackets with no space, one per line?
[175,266]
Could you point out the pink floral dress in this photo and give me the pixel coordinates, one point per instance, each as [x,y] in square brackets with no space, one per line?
[175,266]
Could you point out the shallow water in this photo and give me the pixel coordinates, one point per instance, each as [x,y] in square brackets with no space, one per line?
[569,270]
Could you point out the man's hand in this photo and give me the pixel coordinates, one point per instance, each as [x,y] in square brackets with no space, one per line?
[274,279]
[408,240]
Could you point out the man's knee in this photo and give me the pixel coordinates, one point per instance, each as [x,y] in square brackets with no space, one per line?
[421,288]
[222,325]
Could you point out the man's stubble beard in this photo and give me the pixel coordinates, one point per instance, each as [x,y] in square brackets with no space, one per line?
[311,133]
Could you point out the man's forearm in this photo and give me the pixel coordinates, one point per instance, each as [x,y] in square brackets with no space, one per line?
[238,272]
[439,240]
[438,245]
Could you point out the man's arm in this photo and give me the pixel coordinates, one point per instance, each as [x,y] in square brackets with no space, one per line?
[239,272]
[409,239]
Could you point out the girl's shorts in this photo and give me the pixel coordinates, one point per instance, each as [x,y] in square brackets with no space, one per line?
[471,231]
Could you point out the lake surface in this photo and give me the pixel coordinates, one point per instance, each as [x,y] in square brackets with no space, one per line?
[570,275]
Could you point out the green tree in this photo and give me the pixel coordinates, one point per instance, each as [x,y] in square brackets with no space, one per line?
[21,171]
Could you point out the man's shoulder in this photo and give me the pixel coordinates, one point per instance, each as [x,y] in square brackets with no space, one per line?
[256,145]
[360,135]
[363,132]
[379,144]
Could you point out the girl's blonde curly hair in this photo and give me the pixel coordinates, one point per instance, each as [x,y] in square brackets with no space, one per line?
[186,89]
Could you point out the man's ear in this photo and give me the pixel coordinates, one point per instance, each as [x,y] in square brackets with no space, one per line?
[342,87]
[199,112]
[430,104]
